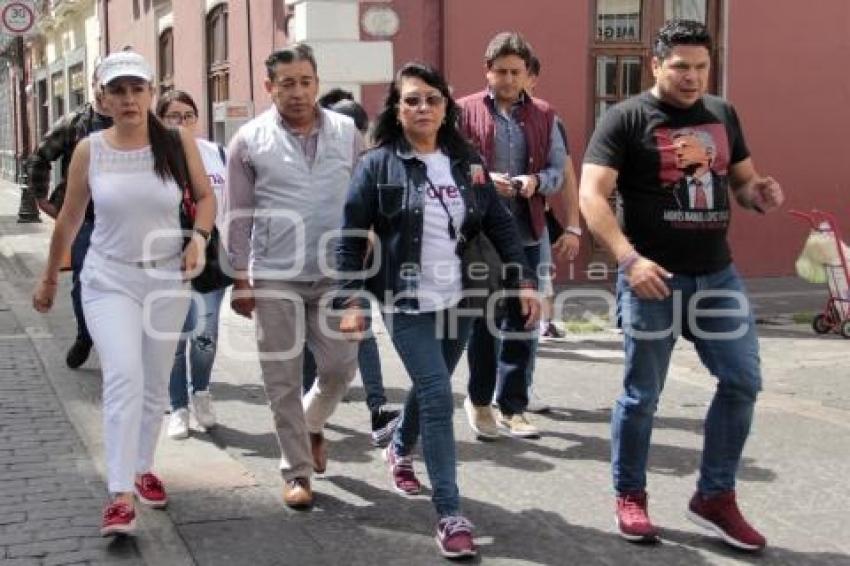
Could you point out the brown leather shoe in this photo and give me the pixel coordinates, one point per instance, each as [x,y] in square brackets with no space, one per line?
[297,493]
[320,452]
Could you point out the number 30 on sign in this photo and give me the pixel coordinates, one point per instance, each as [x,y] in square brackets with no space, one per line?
[17,17]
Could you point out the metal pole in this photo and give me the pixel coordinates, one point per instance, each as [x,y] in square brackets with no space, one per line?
[28,210]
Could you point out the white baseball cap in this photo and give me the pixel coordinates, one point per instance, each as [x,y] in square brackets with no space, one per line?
[123,64]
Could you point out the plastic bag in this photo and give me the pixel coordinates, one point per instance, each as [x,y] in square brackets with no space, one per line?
[818,252]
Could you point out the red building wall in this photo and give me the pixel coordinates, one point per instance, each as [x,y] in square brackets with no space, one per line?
[787,78]
[190,72]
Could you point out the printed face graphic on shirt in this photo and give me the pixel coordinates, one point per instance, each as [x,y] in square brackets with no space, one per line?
[694,168]
[693,153]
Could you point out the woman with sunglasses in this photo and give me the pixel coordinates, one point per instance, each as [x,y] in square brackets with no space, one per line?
[200,331]
[134,288]
[422,190]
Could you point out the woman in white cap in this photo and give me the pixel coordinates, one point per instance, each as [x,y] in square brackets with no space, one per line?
[135,294]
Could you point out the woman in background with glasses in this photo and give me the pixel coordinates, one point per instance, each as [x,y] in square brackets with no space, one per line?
[422,190]
[200,331]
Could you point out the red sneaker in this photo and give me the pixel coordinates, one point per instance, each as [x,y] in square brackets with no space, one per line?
[633,519]
[150,491]
[454,537]
[401,471]
[118,519]
[720,514]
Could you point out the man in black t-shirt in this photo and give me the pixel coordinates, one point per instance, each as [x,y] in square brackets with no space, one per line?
[674,153]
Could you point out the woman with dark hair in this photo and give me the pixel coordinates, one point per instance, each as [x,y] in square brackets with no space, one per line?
[134,280]
[423,191]
[176,108]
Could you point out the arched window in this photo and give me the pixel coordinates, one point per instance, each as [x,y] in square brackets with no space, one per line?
[166,61]
[218,67]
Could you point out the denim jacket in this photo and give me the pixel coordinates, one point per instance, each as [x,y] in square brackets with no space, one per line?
[386,196]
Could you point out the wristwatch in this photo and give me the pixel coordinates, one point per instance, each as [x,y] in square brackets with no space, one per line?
[204,234]
[574,230]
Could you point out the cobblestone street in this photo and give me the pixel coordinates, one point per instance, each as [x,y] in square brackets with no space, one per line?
[50,493]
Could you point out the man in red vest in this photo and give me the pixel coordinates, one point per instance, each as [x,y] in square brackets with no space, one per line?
[519,138]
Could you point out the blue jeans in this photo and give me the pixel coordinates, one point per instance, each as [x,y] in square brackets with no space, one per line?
[369,362]
[203,342]
[78,257]
[430,348]
[503,365]
[723,332]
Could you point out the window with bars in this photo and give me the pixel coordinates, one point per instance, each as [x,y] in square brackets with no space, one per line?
[218,66]
[57,87]
[166,61]
[77,78]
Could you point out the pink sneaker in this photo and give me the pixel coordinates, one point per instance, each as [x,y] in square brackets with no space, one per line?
[118,519]
[149,490]
[401,470]
[633,519]
[720,514]
[454,537]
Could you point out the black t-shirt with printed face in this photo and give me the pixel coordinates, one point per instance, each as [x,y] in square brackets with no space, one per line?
[673,168]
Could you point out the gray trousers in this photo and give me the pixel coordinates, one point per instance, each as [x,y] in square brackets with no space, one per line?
[288,314]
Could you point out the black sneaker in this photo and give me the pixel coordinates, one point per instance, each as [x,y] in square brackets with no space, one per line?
[78,353]
[384,423]
[551,331]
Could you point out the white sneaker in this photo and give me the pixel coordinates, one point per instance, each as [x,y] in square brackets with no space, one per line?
[481,420]
[535,403]
[178,424]
[518,425]
[203,409]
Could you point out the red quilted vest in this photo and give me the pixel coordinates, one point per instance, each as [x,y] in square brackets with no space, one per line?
[536,118]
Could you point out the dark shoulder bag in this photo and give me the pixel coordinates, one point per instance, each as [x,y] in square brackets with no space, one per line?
[213,277]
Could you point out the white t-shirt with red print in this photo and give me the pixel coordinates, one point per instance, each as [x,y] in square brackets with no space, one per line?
[440,283]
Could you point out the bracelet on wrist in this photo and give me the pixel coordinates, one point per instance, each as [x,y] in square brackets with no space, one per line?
[629,260]
[203,233]
[574,230]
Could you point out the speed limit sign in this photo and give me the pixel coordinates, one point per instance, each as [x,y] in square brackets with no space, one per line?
[17,17]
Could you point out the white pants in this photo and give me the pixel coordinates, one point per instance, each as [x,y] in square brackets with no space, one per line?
[134,317]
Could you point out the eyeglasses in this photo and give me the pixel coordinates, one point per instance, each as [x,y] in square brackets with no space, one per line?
[415,101]
[178,118]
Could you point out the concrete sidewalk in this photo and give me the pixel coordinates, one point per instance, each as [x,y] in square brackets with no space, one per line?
[547,501]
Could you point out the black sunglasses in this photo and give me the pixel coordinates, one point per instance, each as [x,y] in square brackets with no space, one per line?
[415,101]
